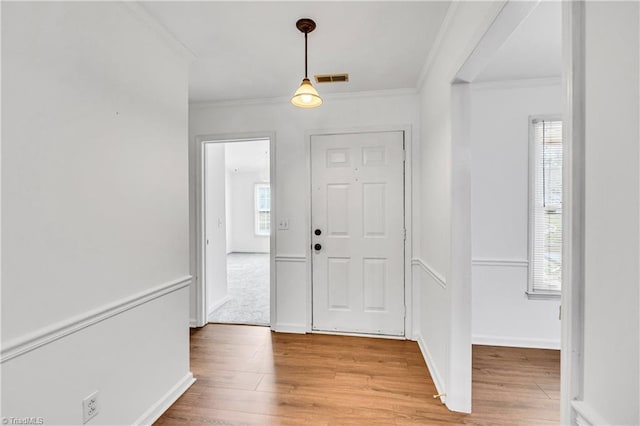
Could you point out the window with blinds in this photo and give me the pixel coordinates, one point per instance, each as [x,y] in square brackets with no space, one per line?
[262,209]
[545,257]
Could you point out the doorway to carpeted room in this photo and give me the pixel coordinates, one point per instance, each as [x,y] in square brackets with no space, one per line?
[237,230]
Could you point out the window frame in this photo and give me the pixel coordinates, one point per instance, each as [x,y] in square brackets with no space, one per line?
[256,210]
[532,292]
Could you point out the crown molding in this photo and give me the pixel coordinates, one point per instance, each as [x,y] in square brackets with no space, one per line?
[139,12]
[286,100]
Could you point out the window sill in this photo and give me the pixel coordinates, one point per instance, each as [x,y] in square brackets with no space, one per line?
[539,295]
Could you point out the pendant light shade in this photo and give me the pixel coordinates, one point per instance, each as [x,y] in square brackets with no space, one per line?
[306,96]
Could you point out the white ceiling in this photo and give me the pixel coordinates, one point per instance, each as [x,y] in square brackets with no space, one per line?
[534,49]
[248,50]
[251,156]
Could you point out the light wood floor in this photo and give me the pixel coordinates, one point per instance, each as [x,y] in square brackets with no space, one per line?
[250,376]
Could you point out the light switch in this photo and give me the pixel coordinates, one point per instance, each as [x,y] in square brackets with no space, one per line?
[283,224]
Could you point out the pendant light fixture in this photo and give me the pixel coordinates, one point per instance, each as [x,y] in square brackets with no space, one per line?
[306,96]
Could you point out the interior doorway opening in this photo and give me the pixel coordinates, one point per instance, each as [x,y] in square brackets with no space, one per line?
[507,201]
[236,231]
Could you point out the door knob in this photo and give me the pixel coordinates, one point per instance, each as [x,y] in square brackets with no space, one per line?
[318,247]
[317,232]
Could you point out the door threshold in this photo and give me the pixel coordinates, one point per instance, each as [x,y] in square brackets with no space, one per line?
[355,334]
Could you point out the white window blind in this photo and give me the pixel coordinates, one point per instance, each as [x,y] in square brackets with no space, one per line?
[262,209]
[546,212]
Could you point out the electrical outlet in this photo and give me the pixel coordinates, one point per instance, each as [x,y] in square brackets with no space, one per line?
[90,407]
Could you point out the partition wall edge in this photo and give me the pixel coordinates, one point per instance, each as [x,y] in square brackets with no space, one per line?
[573,250]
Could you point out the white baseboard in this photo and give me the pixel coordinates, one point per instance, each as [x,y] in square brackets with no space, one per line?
[156,410]
[433,370]
[193,323]
[515,342]
[217,305]
[290,328]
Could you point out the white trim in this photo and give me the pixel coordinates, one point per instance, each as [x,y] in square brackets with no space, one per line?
[433,370]
[273,312]
[289,258]
[193,323]
[290,328]
[515,342]
[585,415]
[23,344]
[542,295]
[573,249]
[287,100]
[138,11]
[408,228]
[526,83]
[216,305]
[407,213]
[156,410]
[515,263]
[437,277]
[198,144]
[445,26]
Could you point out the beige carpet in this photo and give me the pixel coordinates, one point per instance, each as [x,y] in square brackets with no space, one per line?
[248,287]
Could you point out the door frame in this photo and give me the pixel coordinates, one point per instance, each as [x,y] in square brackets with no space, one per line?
[408,243]
[199,143]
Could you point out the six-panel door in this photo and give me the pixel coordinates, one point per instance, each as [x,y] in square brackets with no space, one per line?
[357,208]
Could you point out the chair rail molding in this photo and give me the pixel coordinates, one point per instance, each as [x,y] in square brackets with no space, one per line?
[430,270]
[291,258]
[586,415]
[23,344]
[517,263]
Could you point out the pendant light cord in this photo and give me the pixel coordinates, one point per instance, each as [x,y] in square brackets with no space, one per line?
[305,55]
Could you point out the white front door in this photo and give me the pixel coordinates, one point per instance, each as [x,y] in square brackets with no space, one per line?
[358,233]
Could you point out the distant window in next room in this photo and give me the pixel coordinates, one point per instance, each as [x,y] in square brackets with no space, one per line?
[545,208]
[262,209]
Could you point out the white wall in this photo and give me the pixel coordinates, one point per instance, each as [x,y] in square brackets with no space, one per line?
[94,206]
[465,24]
[242,197]
[215,226]
[611,323]
[502,313]
[290,124]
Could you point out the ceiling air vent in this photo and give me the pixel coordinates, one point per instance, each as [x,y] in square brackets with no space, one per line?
[332,78]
